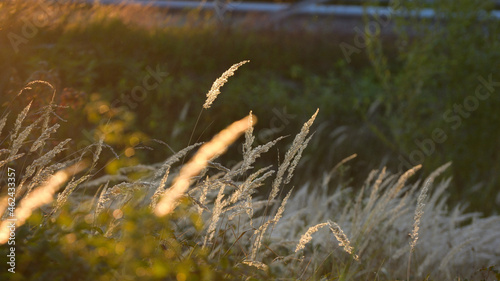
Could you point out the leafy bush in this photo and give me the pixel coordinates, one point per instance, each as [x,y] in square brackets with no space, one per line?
[444,75]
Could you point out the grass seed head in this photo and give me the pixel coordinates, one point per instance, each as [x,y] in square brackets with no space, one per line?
[215,90]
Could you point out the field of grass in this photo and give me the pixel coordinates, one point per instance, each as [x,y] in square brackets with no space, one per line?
[107,148]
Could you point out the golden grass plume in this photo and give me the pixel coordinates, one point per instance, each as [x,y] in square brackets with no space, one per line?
[39,197]
[215,90]
[216,146]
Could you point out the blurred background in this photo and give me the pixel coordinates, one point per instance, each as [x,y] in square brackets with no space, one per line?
[399,83]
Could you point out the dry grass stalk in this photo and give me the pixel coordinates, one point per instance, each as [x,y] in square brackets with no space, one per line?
[63,197]
[217,211]
[256,264]
[402,180]
[281,209]
[307,236]
[39,197]
[419,211]
[438,171]
[165,169]
[290,154]
[249,138]
[18,142]
[379,211]
[259,233]
[46,131]
[337,232]
[215,90]
[160,189]
[103,198]
[98,151]
[262,229]
[174,158]
[43,173]
[19,120]
[28,87]
[14,138]
[342,162]
[11,158]
[370,177]
[252,155]
[105,179]
[218,166]
[250,183]
[46,158]
[140,168]
[203,197]
[216,146]
[378,182]
[3,121]
[296,159]
[43,137]
[375,188]
[342,238]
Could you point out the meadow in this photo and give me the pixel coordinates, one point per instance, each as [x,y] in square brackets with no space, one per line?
[121,168]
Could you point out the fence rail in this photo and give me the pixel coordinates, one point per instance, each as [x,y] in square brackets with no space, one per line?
[306,7]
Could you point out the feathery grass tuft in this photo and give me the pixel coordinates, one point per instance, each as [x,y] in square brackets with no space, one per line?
[3,121]
[298,145]
[306,237]
[342,238]
[419,211]
[215,90]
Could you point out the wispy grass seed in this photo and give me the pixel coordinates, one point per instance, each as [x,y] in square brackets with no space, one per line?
[215,90]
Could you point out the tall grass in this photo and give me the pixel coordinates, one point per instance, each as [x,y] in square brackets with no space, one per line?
[217,228]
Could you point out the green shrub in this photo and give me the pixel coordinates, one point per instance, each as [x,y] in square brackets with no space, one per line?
[434,80]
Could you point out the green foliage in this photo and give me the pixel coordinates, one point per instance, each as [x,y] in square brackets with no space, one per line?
[434,85]
[72,246]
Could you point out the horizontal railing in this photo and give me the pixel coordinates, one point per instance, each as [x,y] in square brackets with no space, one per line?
[307,7]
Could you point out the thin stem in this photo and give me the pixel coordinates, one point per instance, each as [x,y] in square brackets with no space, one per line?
[408,270]
[192,133]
